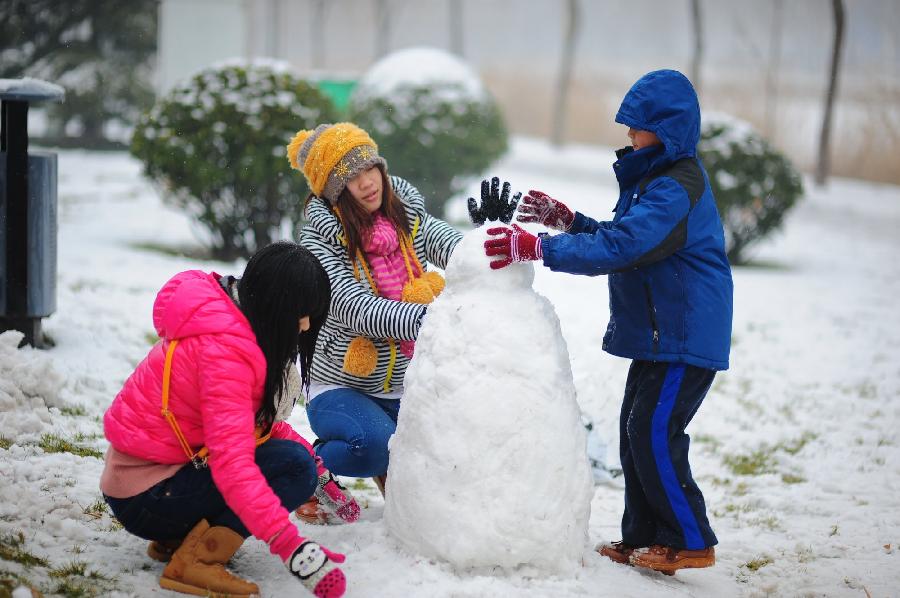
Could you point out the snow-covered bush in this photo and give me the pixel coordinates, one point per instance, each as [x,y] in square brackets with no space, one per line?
[433,120]
[755,185]
[216,144]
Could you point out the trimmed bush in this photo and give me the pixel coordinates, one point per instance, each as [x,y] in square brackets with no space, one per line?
[432,119]
[216,146]
[755,185]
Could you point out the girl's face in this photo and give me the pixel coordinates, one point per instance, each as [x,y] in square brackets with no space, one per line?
[303,324]
[641,139]
[366,188]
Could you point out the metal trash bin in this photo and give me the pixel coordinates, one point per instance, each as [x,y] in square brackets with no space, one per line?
[27,213]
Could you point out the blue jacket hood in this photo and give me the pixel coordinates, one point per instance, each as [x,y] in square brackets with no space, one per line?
[665,103]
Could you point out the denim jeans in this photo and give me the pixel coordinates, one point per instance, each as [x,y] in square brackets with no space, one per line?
[353,430]
[171,508]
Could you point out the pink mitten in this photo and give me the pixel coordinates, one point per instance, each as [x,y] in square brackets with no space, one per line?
[333,497]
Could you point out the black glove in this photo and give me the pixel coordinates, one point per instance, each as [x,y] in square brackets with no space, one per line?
[495,205]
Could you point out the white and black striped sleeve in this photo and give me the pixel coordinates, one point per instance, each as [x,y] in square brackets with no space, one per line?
[353,304]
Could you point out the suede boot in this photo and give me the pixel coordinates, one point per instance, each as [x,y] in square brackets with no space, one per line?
[198,565]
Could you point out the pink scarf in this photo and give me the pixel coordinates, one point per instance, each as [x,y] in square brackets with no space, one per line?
[382,248]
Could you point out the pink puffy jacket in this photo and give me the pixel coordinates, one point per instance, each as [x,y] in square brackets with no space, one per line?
[216,386]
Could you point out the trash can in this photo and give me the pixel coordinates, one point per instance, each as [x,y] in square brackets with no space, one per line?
[337,89]
[27,213]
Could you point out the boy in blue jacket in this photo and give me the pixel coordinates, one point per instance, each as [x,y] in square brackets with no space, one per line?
[670,297]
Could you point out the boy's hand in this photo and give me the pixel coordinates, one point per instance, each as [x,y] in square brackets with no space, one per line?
[495,205]
[537,206]
[515,244]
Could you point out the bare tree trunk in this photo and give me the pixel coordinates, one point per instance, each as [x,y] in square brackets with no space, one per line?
[697,56]
[317,34]
[563,84]
[383,28]
[775,31]
[456,26]
[824,165]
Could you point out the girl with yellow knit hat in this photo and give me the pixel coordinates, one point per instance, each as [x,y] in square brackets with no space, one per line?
[373,236]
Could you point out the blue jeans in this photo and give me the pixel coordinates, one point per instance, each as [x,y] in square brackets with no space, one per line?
[171,508]
[353,430]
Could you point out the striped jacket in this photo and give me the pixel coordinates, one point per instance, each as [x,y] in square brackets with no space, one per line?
[355,308]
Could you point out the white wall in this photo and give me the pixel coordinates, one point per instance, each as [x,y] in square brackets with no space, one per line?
[196,33]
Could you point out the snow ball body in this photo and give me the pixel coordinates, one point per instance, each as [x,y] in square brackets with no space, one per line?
[488,465]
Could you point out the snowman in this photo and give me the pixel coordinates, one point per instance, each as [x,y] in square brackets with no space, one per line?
[488,466]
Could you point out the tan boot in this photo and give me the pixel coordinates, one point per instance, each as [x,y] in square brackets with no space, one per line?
[198,566]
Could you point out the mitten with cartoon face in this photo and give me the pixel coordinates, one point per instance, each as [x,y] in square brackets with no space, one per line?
[316,568]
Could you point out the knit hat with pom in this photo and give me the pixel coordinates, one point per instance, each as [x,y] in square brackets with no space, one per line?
[331,155]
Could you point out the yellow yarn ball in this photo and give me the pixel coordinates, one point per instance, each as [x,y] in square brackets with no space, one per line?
[293,149]
[435,281]
[417,290]
[361,357]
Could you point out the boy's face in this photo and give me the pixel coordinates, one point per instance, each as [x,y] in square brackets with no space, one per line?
[641,139]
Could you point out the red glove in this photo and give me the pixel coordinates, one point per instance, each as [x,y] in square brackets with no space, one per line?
[537,206]
[516,244]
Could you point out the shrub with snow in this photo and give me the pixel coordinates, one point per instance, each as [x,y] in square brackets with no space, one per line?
[432,118]
[216,145]
[755,185]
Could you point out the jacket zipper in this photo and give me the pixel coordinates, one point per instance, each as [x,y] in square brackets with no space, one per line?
[652,311]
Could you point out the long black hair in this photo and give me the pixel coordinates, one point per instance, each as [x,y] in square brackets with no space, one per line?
[282,283]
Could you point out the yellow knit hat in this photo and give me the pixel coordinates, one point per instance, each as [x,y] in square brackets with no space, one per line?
[331,155]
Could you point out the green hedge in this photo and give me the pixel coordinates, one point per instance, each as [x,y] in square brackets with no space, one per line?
[755,185]
[216,146]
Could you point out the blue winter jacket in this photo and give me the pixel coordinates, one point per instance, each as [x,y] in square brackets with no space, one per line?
[670,288]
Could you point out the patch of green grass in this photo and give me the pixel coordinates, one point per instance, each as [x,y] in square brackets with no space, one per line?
[151,337]
[710,441]
[770,522]
[790,478]
[96,509]
[12,549]
[793,447]
[52,443]
[5,443]
[756,463]
[196,253]
[75,568]
[76,588]
[758,563]
[360,484]
[74,410]
[834,530]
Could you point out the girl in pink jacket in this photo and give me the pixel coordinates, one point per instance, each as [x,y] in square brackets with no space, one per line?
[198,459]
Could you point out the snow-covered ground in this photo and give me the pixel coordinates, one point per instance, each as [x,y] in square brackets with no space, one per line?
[797,448]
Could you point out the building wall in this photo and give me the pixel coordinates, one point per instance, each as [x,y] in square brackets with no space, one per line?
[764,61]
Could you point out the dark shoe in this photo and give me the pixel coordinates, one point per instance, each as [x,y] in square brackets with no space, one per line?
[380,483]
[616,551]
[162,551]
[668,560]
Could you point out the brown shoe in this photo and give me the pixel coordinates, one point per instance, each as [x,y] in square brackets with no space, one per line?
[312,512]
[668,560]
[198,566]
[616,551]
[380,483]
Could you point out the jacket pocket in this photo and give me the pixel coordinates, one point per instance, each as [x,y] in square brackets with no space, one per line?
[651,309]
